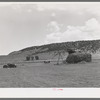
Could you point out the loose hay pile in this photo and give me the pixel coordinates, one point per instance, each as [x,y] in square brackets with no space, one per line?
[9,66]
[79,57]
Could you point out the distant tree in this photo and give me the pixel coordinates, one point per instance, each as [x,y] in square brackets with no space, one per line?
[36,57]
[70,51]
[27,58]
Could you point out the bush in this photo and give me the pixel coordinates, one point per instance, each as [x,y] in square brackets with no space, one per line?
[70,51]
[36,57]
[78,57]
[27,58]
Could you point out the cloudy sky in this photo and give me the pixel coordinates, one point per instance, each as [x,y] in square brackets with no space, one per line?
[29,24]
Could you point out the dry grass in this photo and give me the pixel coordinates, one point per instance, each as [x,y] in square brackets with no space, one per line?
[49,75]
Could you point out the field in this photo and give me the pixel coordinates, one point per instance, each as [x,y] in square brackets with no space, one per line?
[39,75]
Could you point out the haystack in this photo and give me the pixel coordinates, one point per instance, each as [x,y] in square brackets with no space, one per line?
[78,57]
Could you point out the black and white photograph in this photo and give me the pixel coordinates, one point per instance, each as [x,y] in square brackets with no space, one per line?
[50,45]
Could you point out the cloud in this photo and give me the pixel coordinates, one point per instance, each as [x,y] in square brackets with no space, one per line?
[53,27]
[67,5]
[29,10]
[46,6]
[80,8]
[94,10]
[89,31]
[53,14]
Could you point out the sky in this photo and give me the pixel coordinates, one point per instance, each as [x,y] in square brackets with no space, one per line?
[30,24]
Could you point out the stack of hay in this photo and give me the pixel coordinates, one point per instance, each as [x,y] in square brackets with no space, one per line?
[78,57]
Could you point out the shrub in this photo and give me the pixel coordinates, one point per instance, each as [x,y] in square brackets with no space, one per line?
[37,57]
[70,51]
[78,57]
[27,58]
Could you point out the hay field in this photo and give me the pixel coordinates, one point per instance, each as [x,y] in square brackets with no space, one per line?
[40,75]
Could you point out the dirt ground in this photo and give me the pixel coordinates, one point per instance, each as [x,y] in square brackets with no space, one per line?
[40,75]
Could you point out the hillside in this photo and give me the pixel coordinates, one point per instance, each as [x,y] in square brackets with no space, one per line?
[92,46]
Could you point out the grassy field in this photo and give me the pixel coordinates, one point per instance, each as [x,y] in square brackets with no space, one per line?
[39,75]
